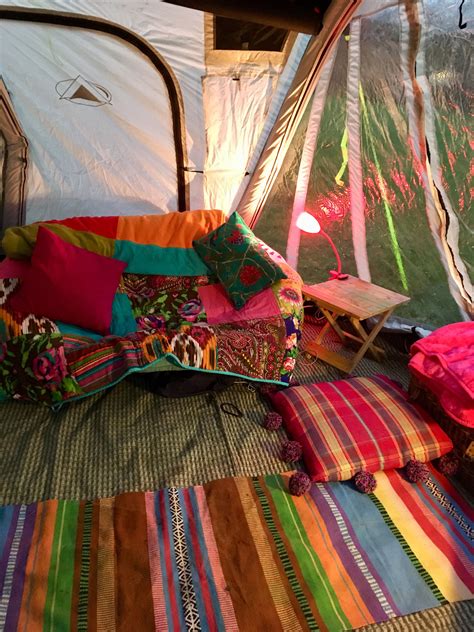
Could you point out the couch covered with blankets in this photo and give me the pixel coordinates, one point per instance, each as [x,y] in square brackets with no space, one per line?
[88,300]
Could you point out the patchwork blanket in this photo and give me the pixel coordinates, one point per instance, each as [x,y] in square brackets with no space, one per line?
[163,285]
[236,554]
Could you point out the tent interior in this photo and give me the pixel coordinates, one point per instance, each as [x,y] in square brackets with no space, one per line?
[197,429]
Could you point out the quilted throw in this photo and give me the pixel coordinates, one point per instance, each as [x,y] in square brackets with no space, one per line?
[51,362]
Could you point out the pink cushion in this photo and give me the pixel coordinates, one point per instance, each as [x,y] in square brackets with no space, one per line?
[358,424]
[13,268]
[220,309]
[452,398]
[444,363]
[69,284]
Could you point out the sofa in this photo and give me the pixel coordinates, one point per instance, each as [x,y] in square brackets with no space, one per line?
[169,308]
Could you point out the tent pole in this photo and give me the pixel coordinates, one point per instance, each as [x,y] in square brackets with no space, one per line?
[261,182]
[307,156]
[356,191]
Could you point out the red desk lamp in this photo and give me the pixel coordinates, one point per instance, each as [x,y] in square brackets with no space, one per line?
[309,224]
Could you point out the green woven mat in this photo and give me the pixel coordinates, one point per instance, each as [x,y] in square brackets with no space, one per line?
[128,439]
[452,617]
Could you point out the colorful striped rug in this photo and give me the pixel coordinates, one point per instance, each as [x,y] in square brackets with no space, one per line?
[236,554]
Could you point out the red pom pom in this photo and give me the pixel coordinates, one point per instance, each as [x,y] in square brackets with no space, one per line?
[272,420]
[416,471]
[267,389]
[448,464]
[291,451]
[365,482]
[299,484]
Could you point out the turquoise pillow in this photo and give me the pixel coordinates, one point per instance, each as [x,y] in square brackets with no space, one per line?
[238,259]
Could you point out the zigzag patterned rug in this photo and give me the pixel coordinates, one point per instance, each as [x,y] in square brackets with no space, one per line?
[236,554]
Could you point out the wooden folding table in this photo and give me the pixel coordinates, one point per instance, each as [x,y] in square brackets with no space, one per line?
[357,300]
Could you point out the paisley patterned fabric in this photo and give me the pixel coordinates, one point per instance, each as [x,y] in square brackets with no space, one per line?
[253,348]
[289,297]
[160,302]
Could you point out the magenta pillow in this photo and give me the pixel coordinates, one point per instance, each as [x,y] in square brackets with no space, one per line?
[69,284]
[220,309]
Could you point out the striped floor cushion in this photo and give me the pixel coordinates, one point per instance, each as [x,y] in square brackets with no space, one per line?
[358,424]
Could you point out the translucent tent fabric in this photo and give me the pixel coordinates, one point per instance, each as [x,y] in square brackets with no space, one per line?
[366,183]
[450,72]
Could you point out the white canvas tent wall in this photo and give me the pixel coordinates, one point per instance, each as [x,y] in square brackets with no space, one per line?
[114,150]
[128,108]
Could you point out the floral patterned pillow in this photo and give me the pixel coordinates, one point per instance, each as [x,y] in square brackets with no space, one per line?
[238,259]
[34,367]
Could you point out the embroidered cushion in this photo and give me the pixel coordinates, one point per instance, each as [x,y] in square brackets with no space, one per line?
[238,259]
[358,424]
[69,284]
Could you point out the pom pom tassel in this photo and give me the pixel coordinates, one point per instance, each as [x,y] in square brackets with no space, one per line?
[365,482]
[448,464]
[272,420]
[291,451]
[267,389]
[299,484]
[416,471]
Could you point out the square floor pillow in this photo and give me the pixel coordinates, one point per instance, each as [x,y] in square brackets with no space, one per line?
[69,284]
[358,424]
[239,260]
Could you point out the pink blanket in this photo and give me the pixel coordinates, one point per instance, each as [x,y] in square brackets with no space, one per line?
[444,362]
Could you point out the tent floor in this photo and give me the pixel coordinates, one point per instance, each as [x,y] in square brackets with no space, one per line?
[129,439]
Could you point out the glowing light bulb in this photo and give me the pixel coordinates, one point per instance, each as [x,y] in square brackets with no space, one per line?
[308,223]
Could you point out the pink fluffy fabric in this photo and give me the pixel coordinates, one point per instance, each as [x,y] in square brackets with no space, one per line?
[444,363]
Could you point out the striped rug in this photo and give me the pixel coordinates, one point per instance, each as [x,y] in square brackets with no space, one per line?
[236,554]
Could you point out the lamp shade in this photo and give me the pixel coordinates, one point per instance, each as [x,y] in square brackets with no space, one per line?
[308,223]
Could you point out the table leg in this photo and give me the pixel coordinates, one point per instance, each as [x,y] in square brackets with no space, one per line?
[376,352]
[332,321]
[322,332]
[369,338]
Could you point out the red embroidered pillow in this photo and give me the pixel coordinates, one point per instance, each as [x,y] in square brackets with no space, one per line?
[358,424]
[69,284]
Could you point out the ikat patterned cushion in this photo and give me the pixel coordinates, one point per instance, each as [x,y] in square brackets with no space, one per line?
[358,424]
[239,260]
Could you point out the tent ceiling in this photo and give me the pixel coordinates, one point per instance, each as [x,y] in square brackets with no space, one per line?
[304,16]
